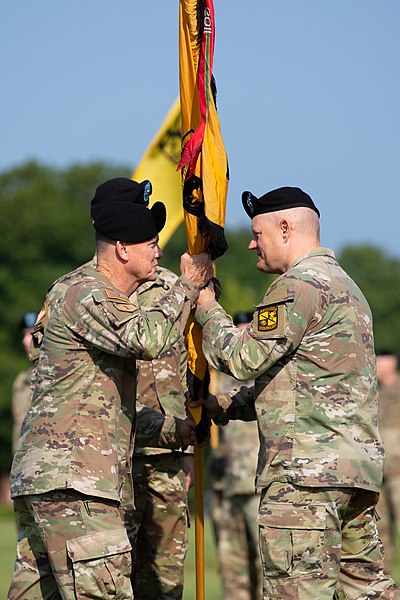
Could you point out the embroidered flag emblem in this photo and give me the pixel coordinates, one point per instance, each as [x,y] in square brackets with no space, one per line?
[268,318]
[113,295]
[42,313]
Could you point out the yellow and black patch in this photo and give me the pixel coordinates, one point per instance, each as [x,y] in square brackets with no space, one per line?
[38,333]
[267,318]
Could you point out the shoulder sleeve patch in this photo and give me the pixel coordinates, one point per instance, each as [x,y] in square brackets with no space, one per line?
[38,333]
[113,298]
[267,318]
[270,319]
[118,304]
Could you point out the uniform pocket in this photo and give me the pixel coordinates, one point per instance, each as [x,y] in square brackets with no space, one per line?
[292,538]
[102,565]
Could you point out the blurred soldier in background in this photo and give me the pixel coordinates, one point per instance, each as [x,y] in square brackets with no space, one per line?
[234,504]
[21,390]
[388,507]
[158,527]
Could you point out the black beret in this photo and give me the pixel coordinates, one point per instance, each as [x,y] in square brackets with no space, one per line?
[242,317]
[385,352]
[130,222]
[279,199]
[119,189]
[28,320]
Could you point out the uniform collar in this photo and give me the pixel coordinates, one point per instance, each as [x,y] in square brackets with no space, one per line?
[315,252]
[147,285]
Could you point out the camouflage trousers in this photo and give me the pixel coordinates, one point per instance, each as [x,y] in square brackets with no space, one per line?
[158,527]
[235,522]
[388,509]
[70,547]
[321,543]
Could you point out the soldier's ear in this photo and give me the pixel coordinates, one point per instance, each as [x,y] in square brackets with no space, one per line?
[284,228]
[121,250]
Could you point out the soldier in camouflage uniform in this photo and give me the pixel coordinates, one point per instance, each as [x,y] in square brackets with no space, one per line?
[118,189]
[310,350]
[21,390]
[105,194]
[72,467]
[235,504]
[389,426]
[157,528]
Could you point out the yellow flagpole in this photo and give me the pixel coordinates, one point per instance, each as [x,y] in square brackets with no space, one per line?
[199,520]
[204,169]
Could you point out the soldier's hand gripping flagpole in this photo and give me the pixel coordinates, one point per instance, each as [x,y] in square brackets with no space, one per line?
[204,167]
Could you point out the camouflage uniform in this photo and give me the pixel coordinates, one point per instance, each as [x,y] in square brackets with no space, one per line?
[310,350]
[20,402]
[389,503]
[76,444]
[54,293]
[157,528]
[235,505]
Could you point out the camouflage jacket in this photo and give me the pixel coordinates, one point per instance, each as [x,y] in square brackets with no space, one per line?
[310,350]
[160,381]
[79,431]
[147,428]
[54,293]
[389,426]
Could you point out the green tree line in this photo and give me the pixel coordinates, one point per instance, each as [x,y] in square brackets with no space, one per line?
[46,231]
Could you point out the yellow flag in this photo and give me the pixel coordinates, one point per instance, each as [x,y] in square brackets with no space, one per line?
[204,168]
[158,164]
[203,162]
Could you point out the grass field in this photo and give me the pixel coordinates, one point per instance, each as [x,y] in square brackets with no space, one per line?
[8,534]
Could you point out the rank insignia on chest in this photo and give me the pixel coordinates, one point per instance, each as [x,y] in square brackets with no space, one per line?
[267,319]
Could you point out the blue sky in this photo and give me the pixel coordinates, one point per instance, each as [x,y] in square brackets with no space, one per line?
[308,95]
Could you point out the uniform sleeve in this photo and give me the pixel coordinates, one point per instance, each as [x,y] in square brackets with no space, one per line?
[160,385]
[237,405]
[160,382]
[155,430]
[110,322]
[279,324]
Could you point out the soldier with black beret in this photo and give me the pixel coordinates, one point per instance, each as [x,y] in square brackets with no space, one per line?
[282,198]
[310,352]
[72,468]
[120,189]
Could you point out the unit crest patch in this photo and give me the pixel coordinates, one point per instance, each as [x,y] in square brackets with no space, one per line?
[267,318]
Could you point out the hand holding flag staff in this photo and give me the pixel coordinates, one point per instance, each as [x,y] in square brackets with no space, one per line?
[205,174]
